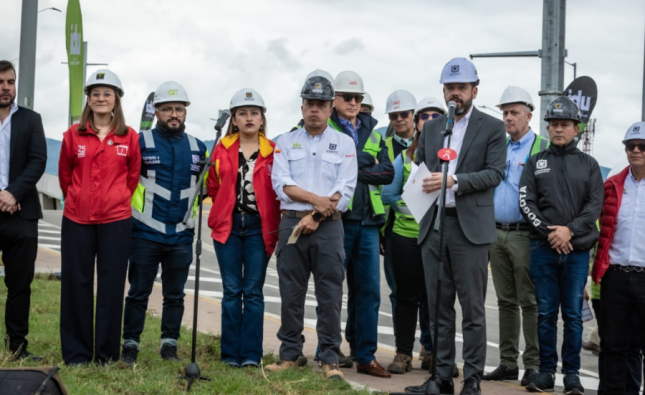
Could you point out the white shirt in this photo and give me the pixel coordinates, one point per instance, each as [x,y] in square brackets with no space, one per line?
[457,140]
[5,147]
[324,164]
[628,246]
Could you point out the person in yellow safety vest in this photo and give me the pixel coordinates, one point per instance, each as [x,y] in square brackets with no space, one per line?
[367,105]
[361,222]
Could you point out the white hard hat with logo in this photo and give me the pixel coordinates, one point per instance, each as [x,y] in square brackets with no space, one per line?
[635,132]
[515,94]
[400,100]
[247,97]
[367,101]
[171,91]
[459,70]
[320,73]
[428,103]
[349,82]
[104,77]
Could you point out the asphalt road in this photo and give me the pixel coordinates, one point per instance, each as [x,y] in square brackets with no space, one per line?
[211,286]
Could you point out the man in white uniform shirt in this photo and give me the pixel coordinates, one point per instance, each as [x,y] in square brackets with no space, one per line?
[314,175]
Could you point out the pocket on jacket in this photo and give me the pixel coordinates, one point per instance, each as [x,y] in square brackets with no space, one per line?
[296,162]
[329,166]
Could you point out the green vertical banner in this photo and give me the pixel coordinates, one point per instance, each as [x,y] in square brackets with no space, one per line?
[148,114]
[74,44]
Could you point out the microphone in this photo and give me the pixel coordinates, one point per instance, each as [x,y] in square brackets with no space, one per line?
[450,121]
[221,121]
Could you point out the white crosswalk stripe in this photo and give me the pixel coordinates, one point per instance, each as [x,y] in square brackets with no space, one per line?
[48,236]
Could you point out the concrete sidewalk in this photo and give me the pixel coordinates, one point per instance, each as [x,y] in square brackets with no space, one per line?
[210,312]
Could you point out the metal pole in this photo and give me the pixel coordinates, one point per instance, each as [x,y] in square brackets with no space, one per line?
[553,54]
[84,69]
[27,65]
[643,101]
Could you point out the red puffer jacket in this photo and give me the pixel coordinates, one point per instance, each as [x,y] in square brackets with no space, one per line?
[221,182]
[611,203]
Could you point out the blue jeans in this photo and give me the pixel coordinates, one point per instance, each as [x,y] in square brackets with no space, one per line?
[145,257]
[559,280]
[243,264]
[364,284]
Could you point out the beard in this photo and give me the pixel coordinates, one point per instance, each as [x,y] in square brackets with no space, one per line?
[465,106]
[179,129]
[5,105]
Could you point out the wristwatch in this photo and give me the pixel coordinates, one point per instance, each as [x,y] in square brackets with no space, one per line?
[318,217]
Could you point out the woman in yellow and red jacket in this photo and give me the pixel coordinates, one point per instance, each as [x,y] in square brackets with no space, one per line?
[244,220]
[98,171]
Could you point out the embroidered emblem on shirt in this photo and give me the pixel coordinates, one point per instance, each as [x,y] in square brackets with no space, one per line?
[122,150]
[332,146]
[81,151]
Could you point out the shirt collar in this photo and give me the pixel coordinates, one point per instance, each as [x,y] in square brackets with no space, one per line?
[466,117]
[14,108]
[348,124]
[404,142]
[631,176]
[526,139]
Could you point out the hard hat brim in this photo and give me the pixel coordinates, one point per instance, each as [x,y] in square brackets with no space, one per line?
[529,105]
[118,90]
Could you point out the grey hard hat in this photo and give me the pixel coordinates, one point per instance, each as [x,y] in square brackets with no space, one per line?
[318,88]
[563,108]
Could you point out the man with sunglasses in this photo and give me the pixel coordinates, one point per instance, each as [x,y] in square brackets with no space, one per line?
[511,253]
[361,222]
[620,263]
[561,192]
[170,169]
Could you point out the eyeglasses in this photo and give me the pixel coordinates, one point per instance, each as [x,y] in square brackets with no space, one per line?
[395,115]
[169,110]
[425,117]
[631,146]
[348,97]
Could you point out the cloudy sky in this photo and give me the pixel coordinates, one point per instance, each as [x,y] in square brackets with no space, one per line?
[215,48]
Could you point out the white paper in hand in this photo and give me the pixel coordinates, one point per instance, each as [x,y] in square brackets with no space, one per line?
[413,171]
[418,201]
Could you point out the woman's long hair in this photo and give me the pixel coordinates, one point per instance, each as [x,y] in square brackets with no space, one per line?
[118,120]
[232,129]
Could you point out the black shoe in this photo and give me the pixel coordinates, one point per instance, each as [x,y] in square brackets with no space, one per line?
[529,375]
[543,382]
[455,371]
[502,373]
[471,387]
[446,387]
[572,385]
[129,354]
[302,360]
[24,354]
[344,362]
[352,354]
[168,352]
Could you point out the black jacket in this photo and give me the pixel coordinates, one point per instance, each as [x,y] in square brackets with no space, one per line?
[28,158]
[562,186]
[368,172]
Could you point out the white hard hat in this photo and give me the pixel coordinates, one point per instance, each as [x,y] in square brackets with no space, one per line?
[170,91]
[104,77]
[635,132]
[514,94]
[430,102]
[320,73]
[459,70]
[349,82]
[367,101]
[247,97]
[400,100]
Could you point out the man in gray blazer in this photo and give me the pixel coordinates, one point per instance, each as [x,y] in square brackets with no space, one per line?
[480,142]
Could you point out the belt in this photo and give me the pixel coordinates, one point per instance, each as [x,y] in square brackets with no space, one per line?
[627,269]
[301,214]
[518,227]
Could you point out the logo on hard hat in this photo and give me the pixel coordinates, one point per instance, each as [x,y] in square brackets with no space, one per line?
[318,85]
[100,76]
[172,92]
[636,129]
[558,105]
[249,94]
[396,104]
[454,68]
[353,83]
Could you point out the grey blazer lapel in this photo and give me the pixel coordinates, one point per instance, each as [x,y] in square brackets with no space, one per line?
[471,131]
[16,124]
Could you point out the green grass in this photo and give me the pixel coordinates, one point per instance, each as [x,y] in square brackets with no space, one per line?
[153,375]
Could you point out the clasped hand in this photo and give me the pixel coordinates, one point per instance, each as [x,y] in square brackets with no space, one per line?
[560,238]
[433,183]
[8,202]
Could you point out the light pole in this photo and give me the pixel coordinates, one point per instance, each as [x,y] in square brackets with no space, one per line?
[575,68]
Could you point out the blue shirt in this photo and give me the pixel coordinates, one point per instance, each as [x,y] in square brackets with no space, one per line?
[392,193]
[507,208]
[351,128]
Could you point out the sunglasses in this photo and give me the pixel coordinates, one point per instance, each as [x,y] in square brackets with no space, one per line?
[631,146]
[425,117]
[348,97]
[394,116]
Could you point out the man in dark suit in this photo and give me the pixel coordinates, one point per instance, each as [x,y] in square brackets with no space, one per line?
[479,140]
[23,156]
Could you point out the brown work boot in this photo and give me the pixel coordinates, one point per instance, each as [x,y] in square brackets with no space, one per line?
[422,353]
[402,364]
[280,366]
[332,371]
[427,361]
[373,369]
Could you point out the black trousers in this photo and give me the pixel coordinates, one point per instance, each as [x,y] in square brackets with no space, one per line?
[19,246]
[621,297]
[409,278]
[82,247]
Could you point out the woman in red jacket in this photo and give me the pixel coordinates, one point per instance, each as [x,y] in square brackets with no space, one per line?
[244,218]
[98,172]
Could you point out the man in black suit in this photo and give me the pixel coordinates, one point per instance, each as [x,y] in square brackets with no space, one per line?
[23,156]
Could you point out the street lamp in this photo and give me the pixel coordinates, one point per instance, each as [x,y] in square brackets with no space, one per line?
[575,68]
[50,8]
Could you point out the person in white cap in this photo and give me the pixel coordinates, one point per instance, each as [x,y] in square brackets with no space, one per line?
[620,263]
[367,105]
[169,170]
[510,254]
[469,225]
[98,172]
